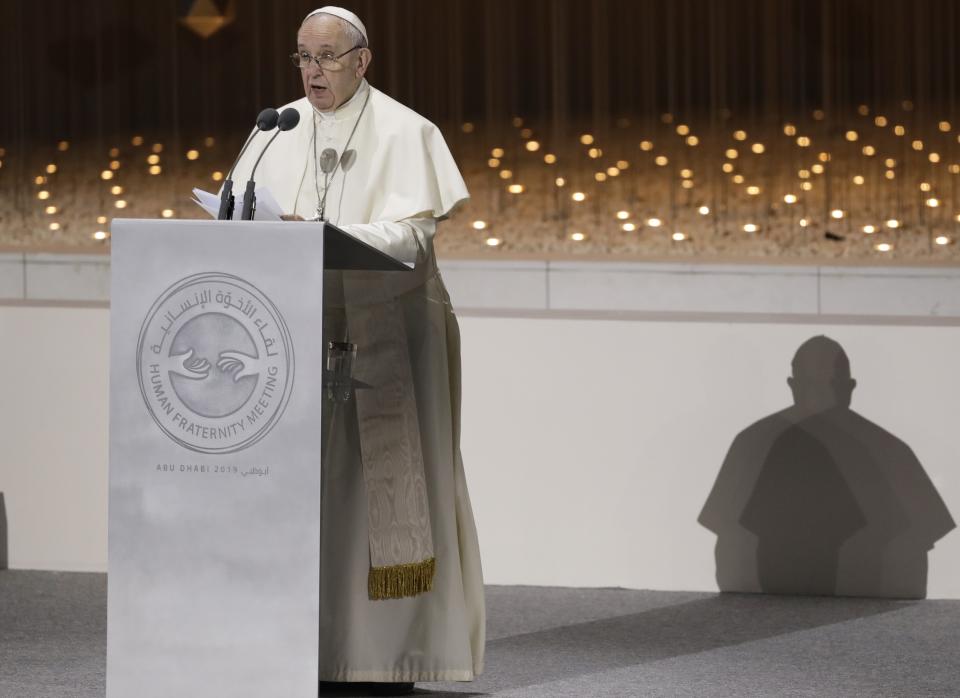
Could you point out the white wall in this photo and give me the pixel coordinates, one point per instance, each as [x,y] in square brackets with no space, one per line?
[592,434]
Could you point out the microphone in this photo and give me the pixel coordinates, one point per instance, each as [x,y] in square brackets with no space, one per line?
[289,118]
[266,121]
[328,163]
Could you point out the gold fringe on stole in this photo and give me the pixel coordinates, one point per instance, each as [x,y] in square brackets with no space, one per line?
[399,581]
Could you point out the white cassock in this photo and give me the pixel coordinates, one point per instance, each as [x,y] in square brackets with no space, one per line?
[394,183]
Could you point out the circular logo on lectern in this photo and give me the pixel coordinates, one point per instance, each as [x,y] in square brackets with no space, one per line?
[215,363]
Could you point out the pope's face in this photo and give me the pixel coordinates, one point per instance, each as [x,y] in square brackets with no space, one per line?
[328,89]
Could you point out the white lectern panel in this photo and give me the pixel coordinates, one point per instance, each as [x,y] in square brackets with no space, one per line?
[215,441]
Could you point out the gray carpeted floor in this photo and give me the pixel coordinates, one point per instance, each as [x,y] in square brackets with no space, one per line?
[573,642]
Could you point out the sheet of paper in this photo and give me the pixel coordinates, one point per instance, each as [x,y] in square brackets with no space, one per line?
[267,207]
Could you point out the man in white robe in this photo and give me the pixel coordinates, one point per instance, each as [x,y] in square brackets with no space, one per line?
[398,603]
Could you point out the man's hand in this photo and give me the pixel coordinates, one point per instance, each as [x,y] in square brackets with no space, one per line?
[291,217]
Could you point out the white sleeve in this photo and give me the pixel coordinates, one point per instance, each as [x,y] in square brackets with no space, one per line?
[401,240]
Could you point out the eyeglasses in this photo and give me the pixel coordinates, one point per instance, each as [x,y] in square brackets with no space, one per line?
[325,61]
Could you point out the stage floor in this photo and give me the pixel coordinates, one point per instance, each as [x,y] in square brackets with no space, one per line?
[572,642]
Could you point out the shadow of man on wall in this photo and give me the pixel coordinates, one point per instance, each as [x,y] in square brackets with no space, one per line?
[816,499]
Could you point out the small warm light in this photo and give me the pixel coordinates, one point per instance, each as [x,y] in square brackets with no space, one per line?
[869,229]
[683,130]
[193,154]
[63,146]
[932,202]
[613,172]
[51,168]
[136,140]
[101,220]
[549,158]
[479,225]
[818,114]
[740,135]
[506,174]
[54,226]
[727,167]
[893,223]
[39,179]
[106,174]
[494,162]
[527,133]
[661,160]
[623,215]
[43,195]
[533,146]
[120,203]
[817,168]
[153,159]
[678,236]
[623,164]
[942,240]
[560,182]
[757,148]
[880,121]
[100,235]
[944,126]
[515,189]
[836,213]
[803,141]
[517,121]
[889,174]
[824,157]
[578,196]
[703,210]
[116,190]
[654,222]
[629,227]
[209,141]
[883,247]
[578,237]
[804,222]
[954,169]
[594,153]
[157,147]
[750,228]
[925,186]
[666,118]
[492,242]
[114,152]
[600,176]
[789,130]
[738,178]
[899,130]
[804,174]
[467,127]
[686,173]
[692,140]
[155,169]
[806,186]
[790,198]
[50,210]
[216,176]
[731,153]
[858,179]
[890,162]
[646,145]
[167,213]
[863,110]
[687,184]
[753,190]
[497,152]
[934,157]
[869,150]
[851,136]
[917,144]
[586,139]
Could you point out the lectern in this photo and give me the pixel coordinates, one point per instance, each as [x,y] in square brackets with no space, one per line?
[216,374]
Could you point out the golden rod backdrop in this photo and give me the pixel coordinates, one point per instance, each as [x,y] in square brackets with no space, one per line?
[801,127]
